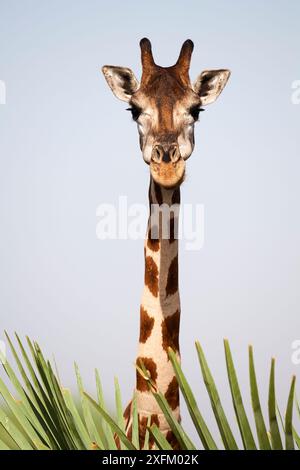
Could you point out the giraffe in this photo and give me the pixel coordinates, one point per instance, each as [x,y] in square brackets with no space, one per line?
[165,106]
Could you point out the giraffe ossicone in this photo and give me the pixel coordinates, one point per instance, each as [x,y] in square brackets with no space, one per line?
[165,105]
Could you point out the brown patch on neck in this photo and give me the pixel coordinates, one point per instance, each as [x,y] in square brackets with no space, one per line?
[158,193]
[141,383]
[129,433]
[170,332]
[153,420]
[173,229]
[172,440]
[127,411]
[117,441]
[151,275]
[143,428]
[172,394]
[172,281]
[173,219]
[176,196]
[146,325]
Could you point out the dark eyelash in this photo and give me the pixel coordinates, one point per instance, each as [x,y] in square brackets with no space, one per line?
[195,111]
[135,112]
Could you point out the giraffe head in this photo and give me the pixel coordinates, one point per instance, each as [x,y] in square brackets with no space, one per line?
[165,106]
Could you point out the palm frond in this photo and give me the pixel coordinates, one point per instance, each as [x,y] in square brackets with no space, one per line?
[40,414]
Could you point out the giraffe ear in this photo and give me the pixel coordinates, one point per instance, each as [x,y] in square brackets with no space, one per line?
[121,80]
[210,84]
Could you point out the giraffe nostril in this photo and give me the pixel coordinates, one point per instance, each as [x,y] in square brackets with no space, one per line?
[174,153]
[157,153]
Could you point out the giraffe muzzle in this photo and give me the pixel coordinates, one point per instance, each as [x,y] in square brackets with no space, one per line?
[167,167]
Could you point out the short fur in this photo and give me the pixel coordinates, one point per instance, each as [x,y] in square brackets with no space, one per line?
[165,106]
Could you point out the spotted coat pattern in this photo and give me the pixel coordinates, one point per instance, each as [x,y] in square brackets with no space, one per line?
[159,317]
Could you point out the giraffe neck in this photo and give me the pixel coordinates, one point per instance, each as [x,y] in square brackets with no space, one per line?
[160,307]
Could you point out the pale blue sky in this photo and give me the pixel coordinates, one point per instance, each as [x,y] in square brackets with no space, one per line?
[66,145]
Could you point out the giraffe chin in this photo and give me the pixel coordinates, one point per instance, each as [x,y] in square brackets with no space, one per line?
[168,175]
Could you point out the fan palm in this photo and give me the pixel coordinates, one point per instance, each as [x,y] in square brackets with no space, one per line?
[41,414]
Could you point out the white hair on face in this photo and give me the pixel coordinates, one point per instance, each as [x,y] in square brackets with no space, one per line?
[147,151]
[186,141]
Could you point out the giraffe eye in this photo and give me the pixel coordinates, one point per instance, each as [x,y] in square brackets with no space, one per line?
[135,112]
[195,111]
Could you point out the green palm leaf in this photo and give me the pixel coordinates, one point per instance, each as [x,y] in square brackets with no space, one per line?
[262,435]
[200,425]
[289,441]
[274,428]
[244,426]
[40,414]
[223,425]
